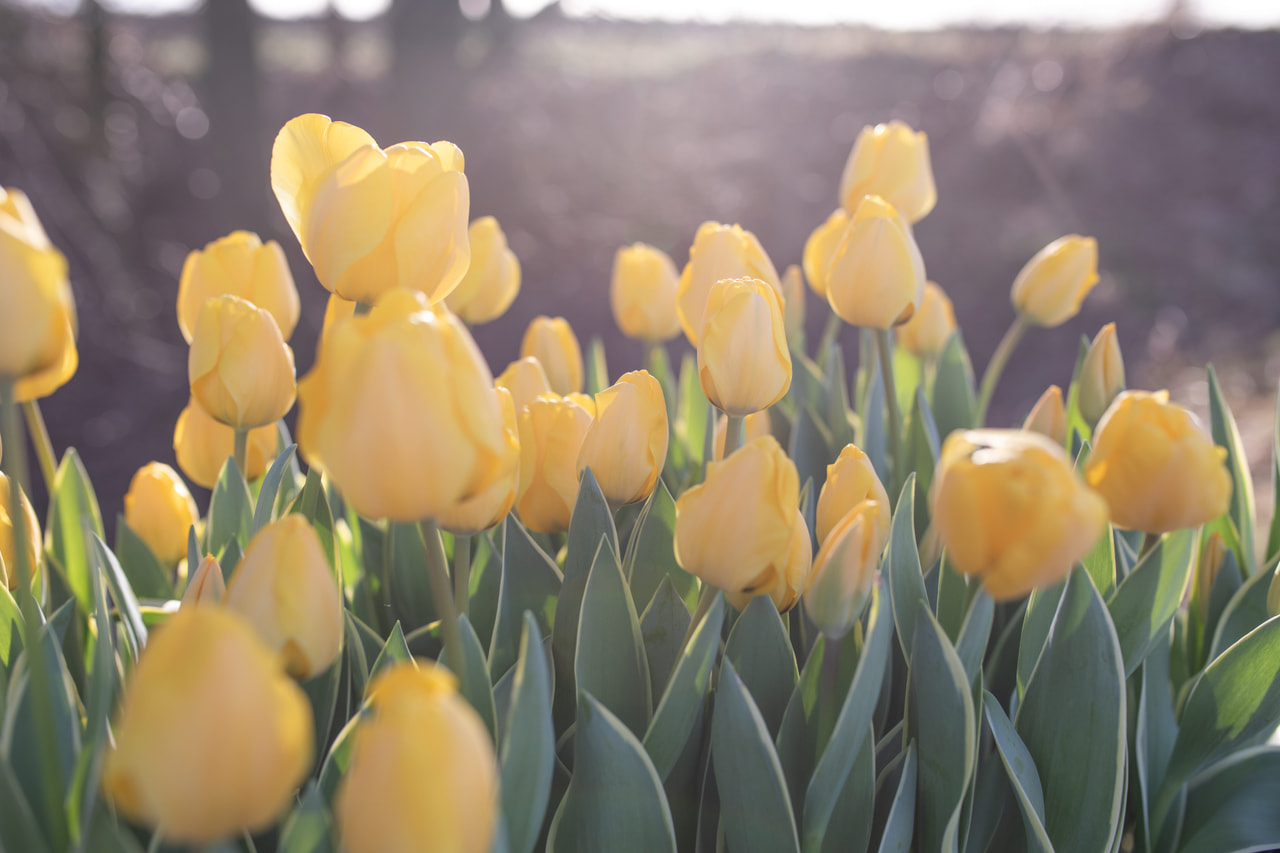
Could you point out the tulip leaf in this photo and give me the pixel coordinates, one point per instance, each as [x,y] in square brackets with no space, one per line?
[270,489]
[955,405]
[686,692]
[1246,610]
[902,559]
[597,368]
[1100,563]
[1037,620]
[100,699]
[1072,719]
[73,514]
[691,426]
[615,799]
[663,627]
[953,598]
[357,658]
[837,399]
[11,623]
[486,586]
[322,692]
[610,661]
[1232,805]
[527,756]
[651,554]
[1148,597]
[1021,770]
[339,757]
[530,582]
[899,829]
[762,658]
[1155,729]
[146,576]
[394,651]
[875,438]
[19,829]
[850,825]
[411,600]
[921,449]
[755,809]
[230,510]
[476,687]
[974,634]
[1242,509]
[1204,613]
[797,739]
[309,827]
[811,448]
[122,594]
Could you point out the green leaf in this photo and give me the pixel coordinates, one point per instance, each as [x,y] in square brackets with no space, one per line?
[1100,562]
[953,598]
[597,369]
[1021,770]
[1072,719]
[797,740]
[615,799]
[874,438]
[1154,733]
[837,400]
[762,657]
[850,826]
[527,757]
[313,504]
[1147,598]
[1232,806]
[122,593]
[906,582]
[486,584]
[899,829]
[908,377]
[530,581]
[146,576]
[755,810]
[921,453]
[1037,620]
[230,510]
[362,644]
[477,687]
[811,448]
[651,555]
[19,829]
[691,426]
[1226,434]
[610,662]
[11,623]
[73,512]
[955,405]
[974,634]
[339,757]
[678,710]
[411,600]
[309,827]
[394,651]
[270,489]
[1246,610]
[322,692]
[663,627]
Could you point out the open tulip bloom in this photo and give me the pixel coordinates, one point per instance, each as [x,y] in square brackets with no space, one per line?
[742,602]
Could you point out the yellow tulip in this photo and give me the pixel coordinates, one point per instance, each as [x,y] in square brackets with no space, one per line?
[525,380]
[586,401]
[336,309]
[203,446]
[1008,508]
[399,410]
[238,264]
[927,332]
[784,583]
[844,572]
[734,530]
[1051,287]
[283,585]
[551,341]
[212,739]
[892,161]
[206,586]
[1101,375]
[851,479]
[821,247]
[754,426]
[423,775]
[372,220]
[793,307]
[1156,466]
[490,506]
[492,280]
[38,323]
[875,278]
[719,252]
[160,510]
[552,430]
[8,554]
[240,368]
[744,364]
[642,293]
[626,444]
[1049,416]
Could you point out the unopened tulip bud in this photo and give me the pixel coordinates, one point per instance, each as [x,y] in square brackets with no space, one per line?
[490,506]
[744,364]
[1049,416]
[1101,375]
[793,307]
[926,334]
[241,265]
[552,430]
[844,571]
[892,161]
[160,510]
[552,342]
[785,582]
[525,380]
[240,368]
[851,479]
[1051,287]
[719,252]
[821,247]
[626,444]
[754,426]
[8,552]
[642,293]
[206,586]
[1156,466]
[203,446]
[876,277]
[492,280]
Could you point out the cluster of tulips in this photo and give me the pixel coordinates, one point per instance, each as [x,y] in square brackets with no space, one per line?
[555,611]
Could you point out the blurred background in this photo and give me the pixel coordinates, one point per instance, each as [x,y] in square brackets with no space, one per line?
[142,129]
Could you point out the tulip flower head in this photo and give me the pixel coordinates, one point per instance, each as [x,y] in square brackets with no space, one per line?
[851,480]
[926,334]
[891,161]
[844,572]
[626,443]
[492,280]
[551,341]
[8,555]
[202,446]
[1050,289]
[719,252]
[875,278]
[821,247]
[642,293]
[744,363]
[1101,375]
[161,511]
[206,586]
[1049,416]
[786,583]
[552,430]
[241,265]
[240,368]
[525,380]
[487,508]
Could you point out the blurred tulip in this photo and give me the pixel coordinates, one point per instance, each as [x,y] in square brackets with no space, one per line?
[206,586]
[626,444]
[241,265]
[754,426]
[372,220]
[203,446]
[1008,508]
[490,506]
[844,572]
[240,368]
[586,401]
[423,775]
[1155,465]
[744,364]
[891,161]
[821,248]
[399,410]
[552,430]
[525,380]
[283,585]
[793,307]
[926,334]
[492,280]
[876,277]
[1049,416]
[719,252]
[160,510]
[212,739]
[851,479]
[786,583]
[8,555]
[642,293]
[551,341]
[335,310]
[1051,287]
[1101,375]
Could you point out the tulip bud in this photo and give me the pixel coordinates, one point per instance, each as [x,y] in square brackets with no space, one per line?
[399,410]
[851,480]
[785,584]
[821,247]
[206,586]
[8,553]
[626,444]
[876,277]
[1157,468]
[490,506]
[734,530]
[371,220]
[1050,288]
[423,775]
[552,430]
[160,510]
[240,368]
[238,264]
[1101,375]
[719,252]
[754,426]
[551,341]
[1049,416]
[642,293]
[1009,509]
[525,380]
[891,161]
[492,280]
[744,364]
[335,310]
[793,307]
[283,585]
[211,739]
[203,446]
[926,334]
[1212,556]
[845,571]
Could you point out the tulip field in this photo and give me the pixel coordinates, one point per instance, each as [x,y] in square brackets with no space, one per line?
[769,596]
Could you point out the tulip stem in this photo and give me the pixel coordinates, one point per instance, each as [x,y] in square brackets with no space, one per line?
[242,451]
[438,576]
[734,433]
[44,446]
[462,572]
[885,351]
[828,338]
[996,367]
